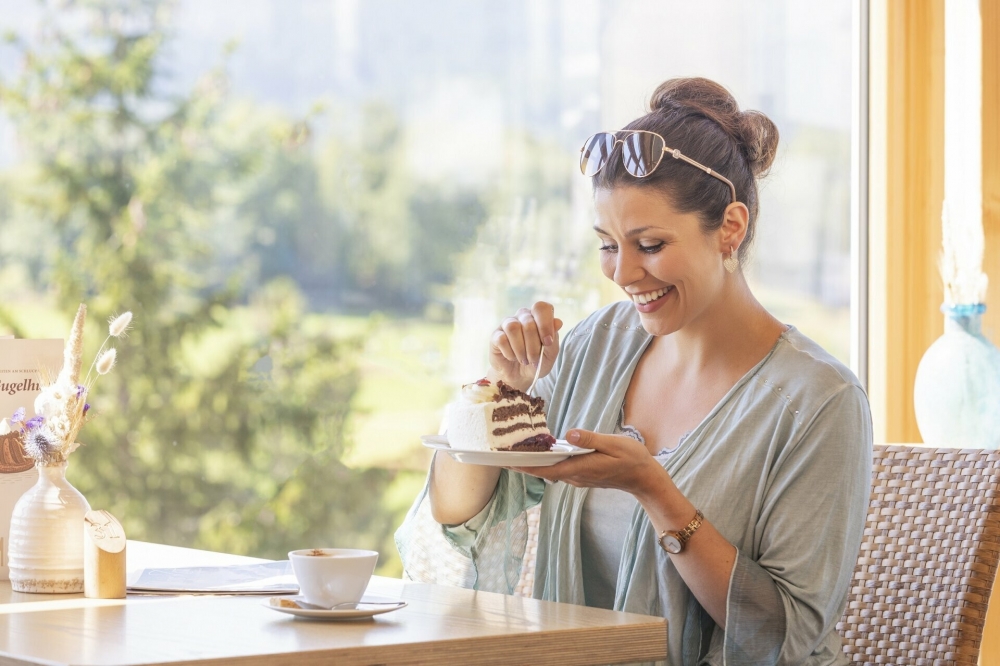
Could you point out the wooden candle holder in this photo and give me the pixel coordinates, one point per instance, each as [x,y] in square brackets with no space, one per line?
[103,556]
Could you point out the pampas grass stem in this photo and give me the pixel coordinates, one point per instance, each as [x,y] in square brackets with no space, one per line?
[73,352]
[961,263]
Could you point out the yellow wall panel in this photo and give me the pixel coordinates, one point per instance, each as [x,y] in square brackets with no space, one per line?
[906,168]
[914,191]
[990,10]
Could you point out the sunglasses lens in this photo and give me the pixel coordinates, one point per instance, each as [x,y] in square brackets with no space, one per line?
[596,153]
[641,152]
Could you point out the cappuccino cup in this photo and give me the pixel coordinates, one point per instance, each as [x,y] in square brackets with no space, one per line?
[328,577]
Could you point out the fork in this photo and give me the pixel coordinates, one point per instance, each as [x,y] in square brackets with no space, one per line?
[538,371]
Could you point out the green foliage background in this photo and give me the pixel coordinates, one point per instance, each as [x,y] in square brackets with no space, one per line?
[292,280]
[216,223]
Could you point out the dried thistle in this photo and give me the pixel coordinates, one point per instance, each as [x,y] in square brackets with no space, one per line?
[42,446]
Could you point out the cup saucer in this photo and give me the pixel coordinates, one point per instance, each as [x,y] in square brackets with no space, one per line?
[367,607]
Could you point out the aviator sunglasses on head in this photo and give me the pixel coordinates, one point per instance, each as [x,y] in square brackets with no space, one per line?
[642,152]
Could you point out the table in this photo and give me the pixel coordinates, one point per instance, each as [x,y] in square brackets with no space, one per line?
[441,625]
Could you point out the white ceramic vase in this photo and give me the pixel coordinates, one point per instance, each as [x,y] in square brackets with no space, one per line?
[45,553]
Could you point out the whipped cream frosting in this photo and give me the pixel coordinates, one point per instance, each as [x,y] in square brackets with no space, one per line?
[481,391]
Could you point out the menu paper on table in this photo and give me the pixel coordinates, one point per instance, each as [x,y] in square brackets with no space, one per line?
[259,578]
[21,372]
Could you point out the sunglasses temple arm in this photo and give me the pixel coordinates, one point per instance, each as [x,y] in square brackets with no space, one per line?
[676,154]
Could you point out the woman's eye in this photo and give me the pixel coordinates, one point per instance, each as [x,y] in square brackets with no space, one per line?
[609,248]
[652,249]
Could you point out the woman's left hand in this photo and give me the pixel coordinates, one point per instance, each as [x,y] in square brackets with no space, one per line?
[617,462]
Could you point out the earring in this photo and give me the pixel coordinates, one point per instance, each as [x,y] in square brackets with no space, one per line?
[731,262]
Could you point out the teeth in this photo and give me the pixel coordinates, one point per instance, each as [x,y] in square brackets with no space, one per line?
[649,297]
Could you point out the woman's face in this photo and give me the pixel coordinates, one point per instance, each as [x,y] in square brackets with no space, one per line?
[670,269]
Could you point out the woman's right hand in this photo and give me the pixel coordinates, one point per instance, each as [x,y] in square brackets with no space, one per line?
[459,491]
[517,345]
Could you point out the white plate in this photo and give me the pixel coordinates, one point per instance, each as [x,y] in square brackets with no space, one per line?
[368,607]
[560,451]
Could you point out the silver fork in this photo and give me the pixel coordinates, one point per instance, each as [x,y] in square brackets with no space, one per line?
[538,371]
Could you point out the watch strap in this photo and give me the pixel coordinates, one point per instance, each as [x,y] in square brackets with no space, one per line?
[684,535]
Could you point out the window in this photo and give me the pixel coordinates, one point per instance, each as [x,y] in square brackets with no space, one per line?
[318,211]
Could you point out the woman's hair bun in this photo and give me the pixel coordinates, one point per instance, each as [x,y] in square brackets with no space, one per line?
[760,137]
[753,132]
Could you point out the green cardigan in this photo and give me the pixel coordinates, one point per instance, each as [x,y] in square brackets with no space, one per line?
[781,467]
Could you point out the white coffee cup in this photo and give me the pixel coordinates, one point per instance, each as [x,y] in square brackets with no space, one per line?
[331,576]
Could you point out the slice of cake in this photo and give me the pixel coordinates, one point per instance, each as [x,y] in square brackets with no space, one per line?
[498,417]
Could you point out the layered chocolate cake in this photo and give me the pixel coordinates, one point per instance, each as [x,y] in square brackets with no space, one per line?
[498,417]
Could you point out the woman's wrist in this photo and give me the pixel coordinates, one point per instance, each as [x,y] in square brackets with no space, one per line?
[661,499]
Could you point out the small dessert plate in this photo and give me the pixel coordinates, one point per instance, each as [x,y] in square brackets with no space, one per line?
[367,607]
[560,451]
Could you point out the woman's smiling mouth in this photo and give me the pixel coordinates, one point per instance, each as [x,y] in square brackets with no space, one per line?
[650,296]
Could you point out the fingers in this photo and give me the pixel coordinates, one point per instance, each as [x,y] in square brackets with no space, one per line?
[531,335]
[521,338]
[567,471]
[608,444]
[548,472]
[513,333]
[617,461]
[501,342]
[585,439]
[543,314]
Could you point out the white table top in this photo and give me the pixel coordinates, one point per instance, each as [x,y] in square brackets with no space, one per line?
[440,625]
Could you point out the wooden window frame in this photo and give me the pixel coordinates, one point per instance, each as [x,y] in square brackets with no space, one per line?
[900,287]
[905,191]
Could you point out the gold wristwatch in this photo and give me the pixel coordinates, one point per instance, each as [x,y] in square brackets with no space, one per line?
[674,542]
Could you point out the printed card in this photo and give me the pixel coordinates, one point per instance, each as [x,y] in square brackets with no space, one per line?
[23,365]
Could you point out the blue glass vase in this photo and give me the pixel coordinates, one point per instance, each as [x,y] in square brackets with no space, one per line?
[956,393]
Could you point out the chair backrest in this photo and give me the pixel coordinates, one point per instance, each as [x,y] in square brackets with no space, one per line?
[928,558]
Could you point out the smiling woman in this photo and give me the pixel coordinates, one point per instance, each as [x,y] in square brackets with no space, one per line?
[659,256]
[728,487]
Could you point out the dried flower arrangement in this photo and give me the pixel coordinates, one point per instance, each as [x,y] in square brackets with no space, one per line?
[961,262]
[61,409]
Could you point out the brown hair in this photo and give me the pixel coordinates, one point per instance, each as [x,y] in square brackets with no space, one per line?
[702,119]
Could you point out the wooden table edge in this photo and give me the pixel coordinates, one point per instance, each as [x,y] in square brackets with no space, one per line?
[625,644]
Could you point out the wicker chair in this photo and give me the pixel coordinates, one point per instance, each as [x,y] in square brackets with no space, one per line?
[928,559]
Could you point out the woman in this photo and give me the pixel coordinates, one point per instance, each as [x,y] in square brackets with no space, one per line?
[730,479]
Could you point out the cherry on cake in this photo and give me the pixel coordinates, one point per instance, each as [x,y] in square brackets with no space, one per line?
[497,417]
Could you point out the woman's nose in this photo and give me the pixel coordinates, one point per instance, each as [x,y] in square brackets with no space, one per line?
[627,269]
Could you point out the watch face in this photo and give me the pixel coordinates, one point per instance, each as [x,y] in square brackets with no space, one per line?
[671,544]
